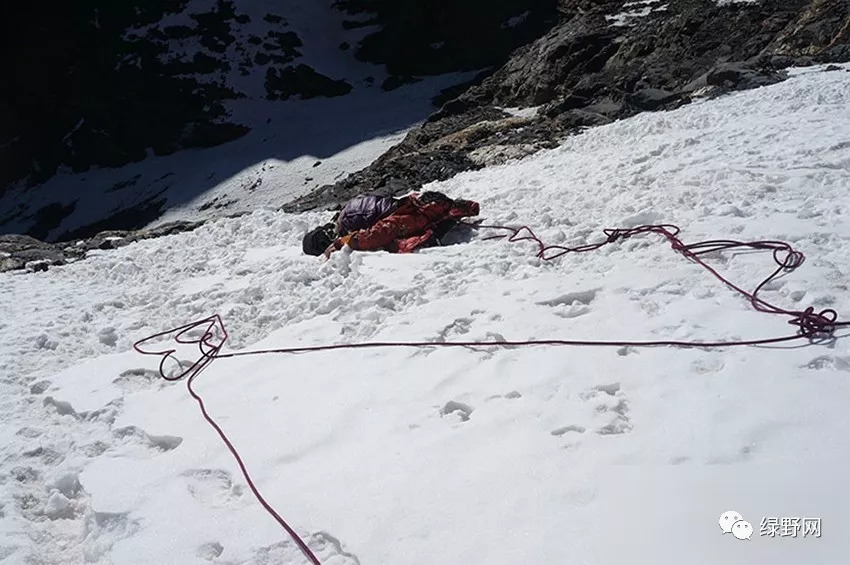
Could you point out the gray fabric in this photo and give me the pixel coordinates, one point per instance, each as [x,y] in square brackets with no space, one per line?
[361,212]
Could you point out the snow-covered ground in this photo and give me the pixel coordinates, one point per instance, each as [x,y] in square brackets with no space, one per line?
[636,10]
[457,456]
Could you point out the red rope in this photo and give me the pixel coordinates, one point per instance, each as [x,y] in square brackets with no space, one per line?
[811,325]
[209,351]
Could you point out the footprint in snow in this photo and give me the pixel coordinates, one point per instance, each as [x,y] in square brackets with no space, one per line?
[45,455]
[572,304]
[707,364]
[25,474]
[137,379]
[327,548]
[459,326]
[512,395]
[212,487]
[160,443]
[456,410]
[582,297]
[210,551]
[610,389]
[7,551]
[60,407]
[94,449]
[30,433]
[108,336]
[558,432]
[610,401]
[830,362]
[39,387]
[104,530]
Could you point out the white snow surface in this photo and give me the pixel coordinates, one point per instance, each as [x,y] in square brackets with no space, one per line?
[728,2]
[456,456]
[638,9]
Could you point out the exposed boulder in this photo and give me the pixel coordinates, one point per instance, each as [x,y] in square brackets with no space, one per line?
[22,251]
[727,77]
[654,98]
[550,66]
[303,81]
[19,252]
[821,29]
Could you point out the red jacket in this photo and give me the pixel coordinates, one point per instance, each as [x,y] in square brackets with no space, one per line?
[409,226]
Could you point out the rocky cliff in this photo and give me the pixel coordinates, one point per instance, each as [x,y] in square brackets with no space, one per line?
[604,61]
[98,83]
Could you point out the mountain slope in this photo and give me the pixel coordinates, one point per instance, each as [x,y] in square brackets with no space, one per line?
[187,72]
[91,117]
[263,65]
[497,455]
[604,61]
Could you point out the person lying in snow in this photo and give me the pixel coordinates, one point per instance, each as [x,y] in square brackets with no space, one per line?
[398,225]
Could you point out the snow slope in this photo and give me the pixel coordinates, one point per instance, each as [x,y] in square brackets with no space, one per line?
[457,456]
[294,145]
[305,144]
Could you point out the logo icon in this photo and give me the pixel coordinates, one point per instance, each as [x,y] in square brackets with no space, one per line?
[732,522]
[742,529]
[728,519]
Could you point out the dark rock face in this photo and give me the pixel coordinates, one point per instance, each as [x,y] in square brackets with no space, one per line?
[652,98]
[820,29]
[587,56]
[438,36]
[79,90]
[101,83]
[606,60]
[304,81]
[18,252]
[737,76]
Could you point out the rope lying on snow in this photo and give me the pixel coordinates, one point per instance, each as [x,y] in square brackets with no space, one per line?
[811,325]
